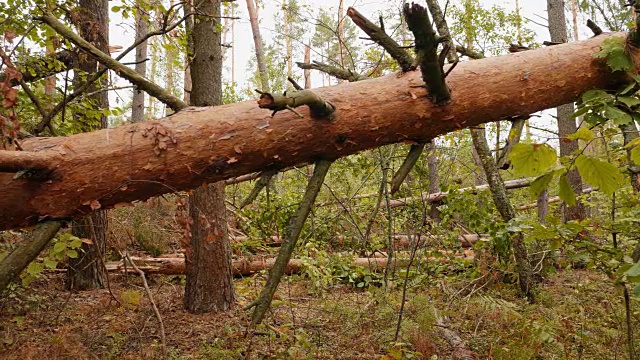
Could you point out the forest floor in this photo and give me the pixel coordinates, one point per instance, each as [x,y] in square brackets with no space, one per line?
[579,314]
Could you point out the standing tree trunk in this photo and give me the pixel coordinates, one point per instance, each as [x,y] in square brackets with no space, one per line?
[142,28]
[87,271]
[208,259]
[566,123]
[257,41]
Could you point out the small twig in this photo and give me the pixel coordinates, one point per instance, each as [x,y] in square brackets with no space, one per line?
[153,304]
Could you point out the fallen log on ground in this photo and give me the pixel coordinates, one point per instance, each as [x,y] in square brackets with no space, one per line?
[245,267]
[77,174]
[434,197]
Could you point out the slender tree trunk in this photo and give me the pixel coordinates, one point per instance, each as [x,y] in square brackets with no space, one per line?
[259,46]
[307,60]
[87,271]
[574,12]
[500,199]
[434,178]
[566,123]
[233,46]
[52,46]
[341,20]
[287,39]
[208,259]
[142,28]
[188,24]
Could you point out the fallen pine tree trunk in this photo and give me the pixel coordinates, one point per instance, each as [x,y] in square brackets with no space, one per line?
[245,267]
[81,173]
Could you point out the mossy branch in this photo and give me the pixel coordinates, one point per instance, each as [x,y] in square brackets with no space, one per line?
[334,71]
[403,171]
[320,108]
[12,265]
[294,229]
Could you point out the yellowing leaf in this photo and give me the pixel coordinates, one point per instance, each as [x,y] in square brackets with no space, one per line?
[582,134]
[599,173]
[532,159]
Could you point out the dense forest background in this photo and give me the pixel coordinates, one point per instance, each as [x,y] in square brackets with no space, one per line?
[514,239]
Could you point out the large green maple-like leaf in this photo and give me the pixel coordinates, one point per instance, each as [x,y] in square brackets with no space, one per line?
[532,159]
[613,50]
[599,173]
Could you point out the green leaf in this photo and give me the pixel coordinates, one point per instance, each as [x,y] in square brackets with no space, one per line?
[50,264]
[540,184]
[594,118]
[592,95]
[532,159]
[629,87]
[599,173]
[35,268]
[75,243]
[581,111]
[582,134]
[613,49]
[633,271]
[59,247]
[629,100]
[565,191]
[72,254]
[618,116]
[635,155]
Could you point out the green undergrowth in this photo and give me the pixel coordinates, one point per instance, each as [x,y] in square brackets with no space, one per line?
[578,315]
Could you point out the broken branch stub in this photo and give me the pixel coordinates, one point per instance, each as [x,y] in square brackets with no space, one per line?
[320,108]
[427,52]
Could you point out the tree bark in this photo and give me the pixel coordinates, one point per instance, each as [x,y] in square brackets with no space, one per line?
[259,46]
[566,123]
[198,145]
[209,283]
[142,27]
[87,270]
